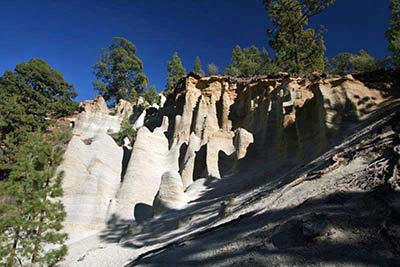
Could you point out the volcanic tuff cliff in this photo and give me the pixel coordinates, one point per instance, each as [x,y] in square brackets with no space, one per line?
[204,158]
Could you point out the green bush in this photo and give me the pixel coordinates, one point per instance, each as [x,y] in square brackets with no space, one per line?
[126,131]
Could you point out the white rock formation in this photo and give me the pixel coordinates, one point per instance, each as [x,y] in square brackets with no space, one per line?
[149,160]
[124,108]
[189,159]
[94,119]
[242,140]
[92,178]
[220,141]
[171,195]
[162,100]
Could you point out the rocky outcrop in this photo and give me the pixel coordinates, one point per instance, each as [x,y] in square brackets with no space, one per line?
[149,160]
[171,195]
[242,141]
[124,109]
[211,127]
[94,118]
[92,177]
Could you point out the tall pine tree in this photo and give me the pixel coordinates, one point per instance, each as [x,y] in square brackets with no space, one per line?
[212,69]
[197,66]
[297,48]
[175,72]
[249,62]
[393,33]
[119,72]
[31,212]
[30,96]
[151,95]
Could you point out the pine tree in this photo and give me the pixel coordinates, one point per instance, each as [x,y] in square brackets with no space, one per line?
[342,63]
[393,33]
[119,72]
[297,48]
[364,62]
[151,95]
[175,72]
[249,62]
[30,97]
[212,69]
[361,62]
[197,66]
[32,213]
[126,131]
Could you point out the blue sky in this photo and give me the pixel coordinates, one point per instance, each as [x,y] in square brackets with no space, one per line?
[69,35]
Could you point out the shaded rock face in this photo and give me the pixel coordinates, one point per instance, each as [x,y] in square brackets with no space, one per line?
[282,120]
[210,128]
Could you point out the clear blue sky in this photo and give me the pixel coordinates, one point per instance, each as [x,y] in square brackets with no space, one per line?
[70,34]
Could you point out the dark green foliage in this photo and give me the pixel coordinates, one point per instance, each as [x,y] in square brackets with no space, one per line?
[364,62]
[393,33]
[361,62]
[31,214]
[152,96]
[197,66]
[126,131]
[342,63]
[30,96]
[176,71]
[297,49]
[119,72]
[249,62]
[212,69]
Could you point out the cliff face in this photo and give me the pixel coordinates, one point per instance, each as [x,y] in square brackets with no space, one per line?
[245,132]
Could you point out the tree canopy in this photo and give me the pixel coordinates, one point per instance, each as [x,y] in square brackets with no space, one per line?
[250,61]
[393,33]
[197,66]
[361,62]
[31,148]
[119,72]
[297,48]
[175,72]
[212,69]
[151,95]
[32,216]
[30,96]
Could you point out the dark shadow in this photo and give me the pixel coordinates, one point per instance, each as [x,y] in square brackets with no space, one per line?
[306,235]
[219,107]
[125,160]
[200,166]
[182,154]
[153,118]
[225,162]
[143,213]
[136,112]
[115,229]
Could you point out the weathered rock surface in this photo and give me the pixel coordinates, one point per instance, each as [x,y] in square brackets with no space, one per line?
[242,141]
[92,178]
[258,138]
[94,119]
[149,160]
[171,195]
